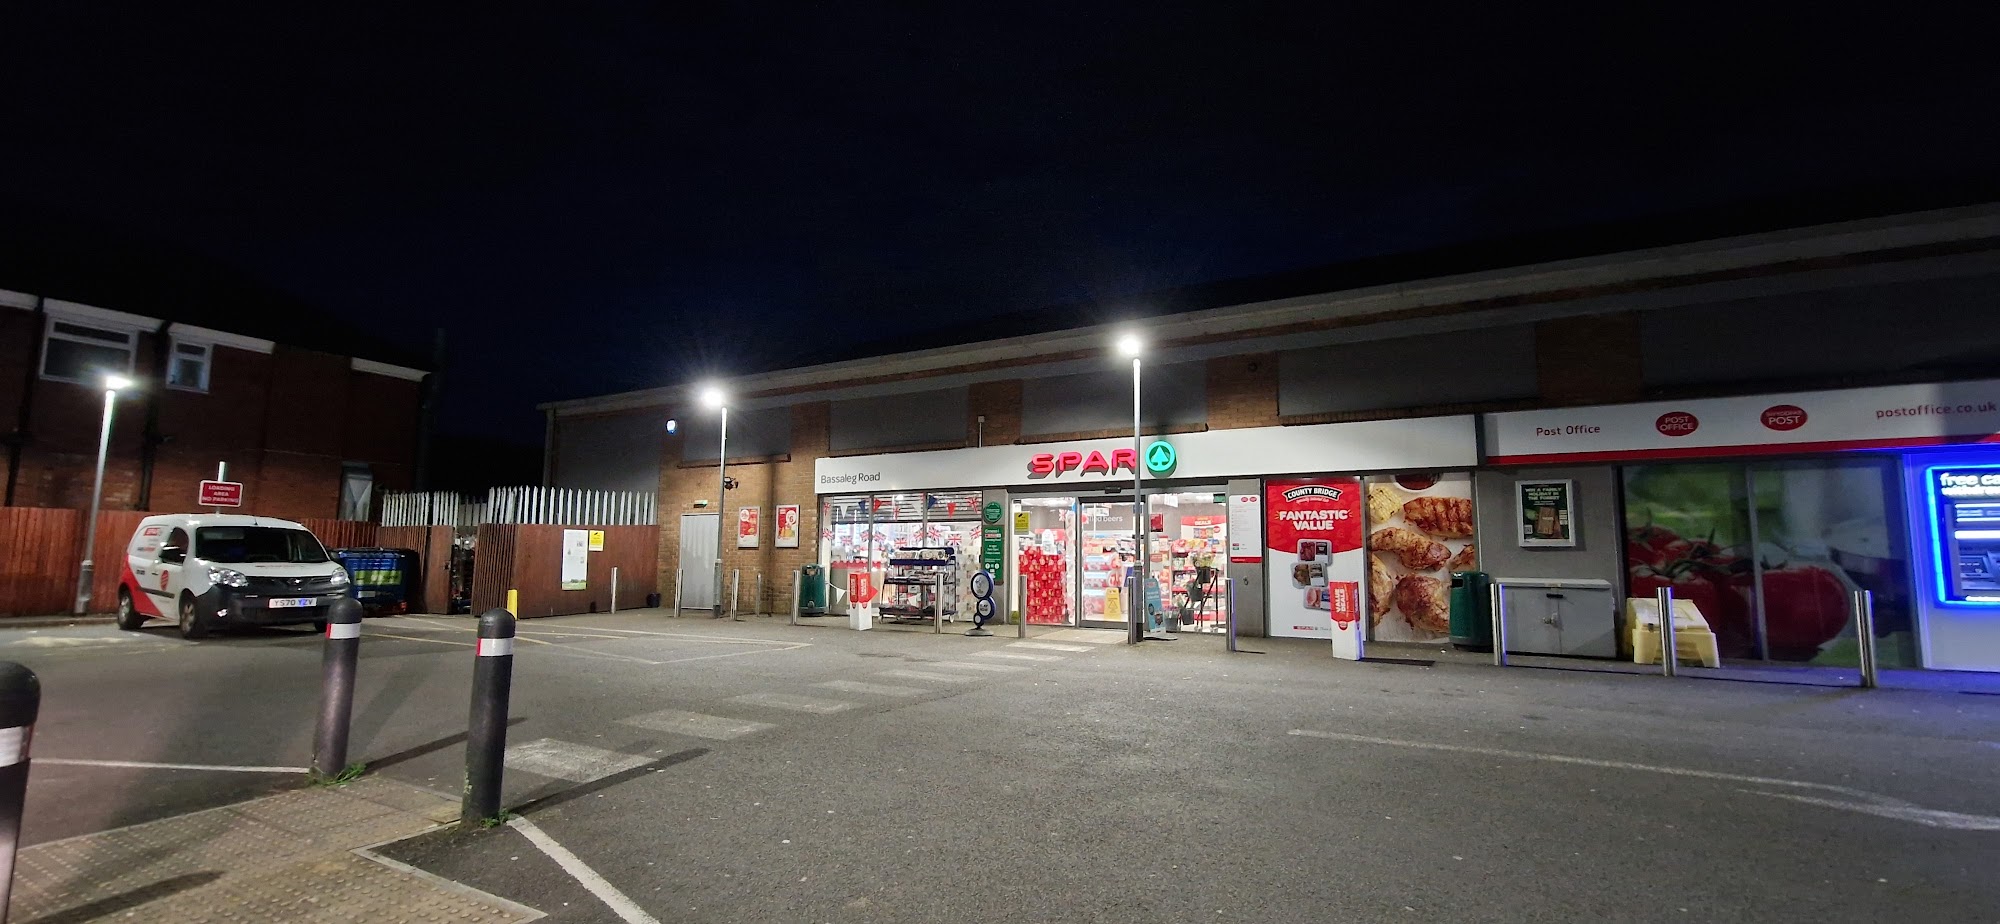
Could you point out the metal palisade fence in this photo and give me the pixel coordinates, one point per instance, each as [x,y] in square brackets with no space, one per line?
[564,506]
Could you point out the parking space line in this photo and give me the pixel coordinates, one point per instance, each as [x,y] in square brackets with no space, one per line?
[877,689]
[794,703]
[150,765]
[1017,656]
[928,675]
[976,666]
[1050,646]
[624,907]
[699,725]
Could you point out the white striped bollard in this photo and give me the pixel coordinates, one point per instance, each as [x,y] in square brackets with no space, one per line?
[20,701]
[336,692]
[486,737]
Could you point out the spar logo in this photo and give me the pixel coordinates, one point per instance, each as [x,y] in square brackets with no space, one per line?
[1312,490]
[1676,423]
[1048,464]
[1784,417]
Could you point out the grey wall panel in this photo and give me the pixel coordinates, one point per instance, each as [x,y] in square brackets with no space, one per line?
[1174,395]
[761,432]
[1599,551]
[611,452]
[1943,324]
[916,419]
[1454,367]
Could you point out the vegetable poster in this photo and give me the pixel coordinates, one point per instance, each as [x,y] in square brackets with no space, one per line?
[1312,534]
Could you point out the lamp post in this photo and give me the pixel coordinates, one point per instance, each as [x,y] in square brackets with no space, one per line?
[1130,345]
[113,384]
[712,397]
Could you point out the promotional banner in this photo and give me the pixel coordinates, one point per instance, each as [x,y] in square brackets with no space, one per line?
[1420,529]
[1543,515]
[575,559]
[1312,533]
[746,527]
[788,526]
[1246,528]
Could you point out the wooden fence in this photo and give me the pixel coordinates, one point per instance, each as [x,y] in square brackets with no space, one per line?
[528,558]
[41,550]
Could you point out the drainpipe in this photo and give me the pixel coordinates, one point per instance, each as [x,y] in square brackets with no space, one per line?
[150,439]
[427,413]
[24,415]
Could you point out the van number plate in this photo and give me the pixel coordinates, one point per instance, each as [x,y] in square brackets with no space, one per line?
[285,603]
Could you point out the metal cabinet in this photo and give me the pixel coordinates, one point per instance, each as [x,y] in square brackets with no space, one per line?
[1560,616]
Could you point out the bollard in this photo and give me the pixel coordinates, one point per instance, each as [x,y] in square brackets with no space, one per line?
[757,597]
[486,735]
[1670,656]
[677,591]
[20,700]
[1864,635]
[1229,639]
[336,692]
[1021,606]
[1499,606]
[614,588]
[798,584]
[937,607]
[513,601]
[735,590]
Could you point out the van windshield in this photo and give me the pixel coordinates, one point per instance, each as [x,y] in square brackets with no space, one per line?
[242,544]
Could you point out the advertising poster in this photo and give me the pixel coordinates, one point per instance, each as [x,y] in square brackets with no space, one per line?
[1542,514]
[575,559]
[1312,532]
[1420,528]
[746,526]
[1246,528]
[788,527]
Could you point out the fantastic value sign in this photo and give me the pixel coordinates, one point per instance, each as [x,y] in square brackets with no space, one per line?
[1820,421]
[1312,534]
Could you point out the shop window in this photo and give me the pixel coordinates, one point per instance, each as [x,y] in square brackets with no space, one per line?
[187,366]
[84,354]
[357,491]
[1771,552]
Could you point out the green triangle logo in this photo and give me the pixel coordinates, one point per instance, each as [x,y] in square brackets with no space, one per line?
[1160,457]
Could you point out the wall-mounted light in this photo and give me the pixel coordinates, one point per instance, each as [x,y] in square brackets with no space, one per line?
[673,426]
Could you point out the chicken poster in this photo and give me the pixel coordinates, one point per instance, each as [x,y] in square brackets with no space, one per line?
[1312,535]
[1420,529]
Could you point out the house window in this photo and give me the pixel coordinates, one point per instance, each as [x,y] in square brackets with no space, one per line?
[187,366]
[83,354]
[357,491]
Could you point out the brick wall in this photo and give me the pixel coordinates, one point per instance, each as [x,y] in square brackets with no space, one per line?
[1000,403]
[760,484]
[1589,360]
[1243,391]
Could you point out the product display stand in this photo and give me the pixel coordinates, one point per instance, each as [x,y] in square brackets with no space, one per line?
[910,592]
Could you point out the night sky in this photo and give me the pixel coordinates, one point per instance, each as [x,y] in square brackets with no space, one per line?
[593,197]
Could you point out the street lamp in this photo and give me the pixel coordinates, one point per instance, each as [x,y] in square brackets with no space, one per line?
[113,384]
[713,399]
[1129,344]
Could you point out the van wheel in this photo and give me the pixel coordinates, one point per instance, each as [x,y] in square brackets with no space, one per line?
[319,626]
[129,617]
[192,625]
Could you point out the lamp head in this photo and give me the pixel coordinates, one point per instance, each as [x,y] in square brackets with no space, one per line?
[1129,345]
[116,382]
[711,397]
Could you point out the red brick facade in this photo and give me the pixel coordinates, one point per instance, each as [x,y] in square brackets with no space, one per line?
[284,421]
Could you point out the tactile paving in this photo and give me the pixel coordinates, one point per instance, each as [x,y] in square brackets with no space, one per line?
[287,857]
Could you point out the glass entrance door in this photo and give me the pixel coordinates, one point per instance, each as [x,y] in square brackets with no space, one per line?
[1078,555]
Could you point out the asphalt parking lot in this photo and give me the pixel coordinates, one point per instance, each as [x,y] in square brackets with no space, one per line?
[720,771]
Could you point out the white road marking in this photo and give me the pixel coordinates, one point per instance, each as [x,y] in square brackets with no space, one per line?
[1051,646]
[1934,818]
[1870,803]
[1090,636]
[713,727]
[67,641]
[977,666]
[794,703]
[563,760]
[1017,656]
[626,910]
[521,912]
[928,675]
[735,654]
[877,689]
[149,765]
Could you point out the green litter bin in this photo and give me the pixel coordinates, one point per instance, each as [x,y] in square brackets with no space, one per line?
[812,591]
[1471,611]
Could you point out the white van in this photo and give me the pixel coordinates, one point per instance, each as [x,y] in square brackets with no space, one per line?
[204,570]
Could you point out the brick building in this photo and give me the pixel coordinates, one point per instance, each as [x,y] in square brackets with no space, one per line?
[1555,411]
[308,427]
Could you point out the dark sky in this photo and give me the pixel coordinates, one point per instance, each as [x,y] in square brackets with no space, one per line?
[593,197]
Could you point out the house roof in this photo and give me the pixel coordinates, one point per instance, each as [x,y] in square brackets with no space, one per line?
[49,255]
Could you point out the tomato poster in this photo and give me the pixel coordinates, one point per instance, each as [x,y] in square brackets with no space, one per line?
[1312,535]
[746,526]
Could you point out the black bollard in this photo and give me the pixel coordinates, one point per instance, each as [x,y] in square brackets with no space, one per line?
[486,739]
[20,700]
[336,692]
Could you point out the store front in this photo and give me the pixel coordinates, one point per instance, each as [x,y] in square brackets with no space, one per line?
[1769,512]
[1069,530]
